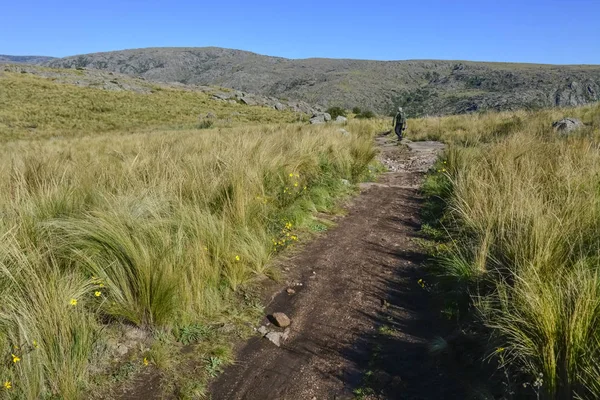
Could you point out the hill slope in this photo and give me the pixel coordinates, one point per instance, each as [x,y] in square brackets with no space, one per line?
[24,59]
[39,102]
[422,86]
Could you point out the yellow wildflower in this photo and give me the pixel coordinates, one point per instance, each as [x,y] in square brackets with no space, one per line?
[291,175]
[35,344]
[7,385]
[101,285]
[97,294]
[237,258]
[73,302]
[16,359]
[499,349]
[146,362]
[296,184]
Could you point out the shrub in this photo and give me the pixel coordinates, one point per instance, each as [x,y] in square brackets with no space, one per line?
[336,112]
[356,110]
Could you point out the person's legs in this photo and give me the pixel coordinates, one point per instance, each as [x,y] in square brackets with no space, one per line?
[398,130]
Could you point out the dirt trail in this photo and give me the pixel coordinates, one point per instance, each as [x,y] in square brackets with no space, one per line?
[360,320]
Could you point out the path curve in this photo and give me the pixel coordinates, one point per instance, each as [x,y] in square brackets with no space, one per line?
[358,280]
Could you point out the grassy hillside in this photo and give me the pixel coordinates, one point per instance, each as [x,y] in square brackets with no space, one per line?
[515,209]
[34,106]
[137,254]
[423,87]
[24,59]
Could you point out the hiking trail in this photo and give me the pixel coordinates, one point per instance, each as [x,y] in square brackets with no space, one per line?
[361,321]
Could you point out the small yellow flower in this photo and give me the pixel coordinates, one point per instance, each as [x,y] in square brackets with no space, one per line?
[237,258]
[443,169]
[7,385]
[291,175]
[35,344]
[16,359]
[97,294]
[499,349]
[296,184]
[101,285]
[146,362]
[73,302]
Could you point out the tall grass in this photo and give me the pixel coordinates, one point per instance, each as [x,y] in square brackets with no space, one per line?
[523,209]
[156,230]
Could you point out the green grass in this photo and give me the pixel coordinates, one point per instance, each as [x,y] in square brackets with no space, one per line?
[520,209]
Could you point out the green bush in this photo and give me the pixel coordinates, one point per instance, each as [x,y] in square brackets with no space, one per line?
[336,112]
[356,110]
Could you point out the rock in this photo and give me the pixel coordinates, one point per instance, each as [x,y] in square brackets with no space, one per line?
[280,107]
[248,100]
[341,120]
[263,330]
[231,101]
[567,125]
[135,334]
[274,337]
[344,132]
[286,334]
[280,319]
[290,291]
[122,349]
[318,119]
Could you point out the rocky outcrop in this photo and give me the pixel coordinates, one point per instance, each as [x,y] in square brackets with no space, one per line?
[567,125]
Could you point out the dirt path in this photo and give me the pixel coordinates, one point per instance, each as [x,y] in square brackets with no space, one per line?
[360,321]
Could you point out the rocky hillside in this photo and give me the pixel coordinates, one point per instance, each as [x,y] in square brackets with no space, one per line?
[422,86]
[24,59]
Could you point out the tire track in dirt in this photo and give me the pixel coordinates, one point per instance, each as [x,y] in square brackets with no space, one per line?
[360,276]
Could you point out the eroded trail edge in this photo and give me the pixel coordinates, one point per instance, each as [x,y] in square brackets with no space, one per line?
[360,320]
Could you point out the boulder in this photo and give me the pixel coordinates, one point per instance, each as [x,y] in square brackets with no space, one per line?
[320,118]
[317,119]
[341,120]
[248,100]
[280,319]
[279,106]
[567,125]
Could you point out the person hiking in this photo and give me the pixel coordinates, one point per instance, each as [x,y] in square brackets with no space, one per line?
[399,123]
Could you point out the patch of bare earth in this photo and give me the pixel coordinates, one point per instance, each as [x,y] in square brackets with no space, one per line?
[360,320]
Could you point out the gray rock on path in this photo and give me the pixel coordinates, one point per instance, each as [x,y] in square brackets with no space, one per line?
[280,319]
[567,125]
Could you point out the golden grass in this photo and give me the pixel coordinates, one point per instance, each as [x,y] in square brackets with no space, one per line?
[523,207]
[165,230]
[34,107]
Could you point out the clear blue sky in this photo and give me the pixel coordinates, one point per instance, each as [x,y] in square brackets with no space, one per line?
[544,31]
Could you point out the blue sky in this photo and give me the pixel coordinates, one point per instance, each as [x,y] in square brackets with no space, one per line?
[543,31]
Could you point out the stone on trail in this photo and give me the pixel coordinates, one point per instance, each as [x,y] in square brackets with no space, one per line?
[263,330]
[290,291]
[275,338]
[567,125]
[280,319]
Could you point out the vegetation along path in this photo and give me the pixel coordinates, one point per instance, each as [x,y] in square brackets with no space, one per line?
[361,320]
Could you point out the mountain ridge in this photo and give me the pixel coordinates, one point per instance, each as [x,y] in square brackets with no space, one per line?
[423,87]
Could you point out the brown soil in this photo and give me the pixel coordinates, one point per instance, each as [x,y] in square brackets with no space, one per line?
[361,322]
